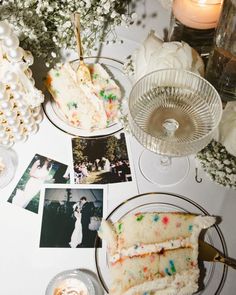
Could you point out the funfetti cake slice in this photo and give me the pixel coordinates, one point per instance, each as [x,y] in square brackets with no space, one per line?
[156,253]
[88,105]
[107,90]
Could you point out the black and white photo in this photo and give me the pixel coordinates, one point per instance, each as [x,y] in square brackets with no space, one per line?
[72,216]
[40,170]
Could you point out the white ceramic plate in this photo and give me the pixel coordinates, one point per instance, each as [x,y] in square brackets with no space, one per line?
[212,275]
[57,118]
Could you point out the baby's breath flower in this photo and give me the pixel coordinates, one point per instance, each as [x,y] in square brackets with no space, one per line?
[44,26]
[219,164]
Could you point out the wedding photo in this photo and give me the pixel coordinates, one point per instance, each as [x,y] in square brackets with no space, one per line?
[72,216]
[101,160]
[40,170]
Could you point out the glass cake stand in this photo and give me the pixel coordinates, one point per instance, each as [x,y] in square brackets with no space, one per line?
[212,275]
[114,68]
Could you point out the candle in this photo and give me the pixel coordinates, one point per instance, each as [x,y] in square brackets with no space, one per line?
[197,14]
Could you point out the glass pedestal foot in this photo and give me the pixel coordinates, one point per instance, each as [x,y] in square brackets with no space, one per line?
[162,170]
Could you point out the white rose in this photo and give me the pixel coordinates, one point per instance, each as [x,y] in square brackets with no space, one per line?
[227,128]
[154,54]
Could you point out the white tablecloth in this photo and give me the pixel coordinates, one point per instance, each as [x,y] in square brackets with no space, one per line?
[24,267]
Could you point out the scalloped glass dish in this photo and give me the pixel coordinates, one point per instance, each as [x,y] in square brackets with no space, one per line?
[212,275]
[58,119]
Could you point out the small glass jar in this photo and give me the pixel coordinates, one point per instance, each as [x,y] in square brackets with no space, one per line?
[221,68]
[194,21]
[70,282]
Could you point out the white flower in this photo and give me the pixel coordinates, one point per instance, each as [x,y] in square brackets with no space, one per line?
[44,26]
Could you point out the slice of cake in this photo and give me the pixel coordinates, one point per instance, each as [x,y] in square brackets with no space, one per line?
[91,105]
[154,253]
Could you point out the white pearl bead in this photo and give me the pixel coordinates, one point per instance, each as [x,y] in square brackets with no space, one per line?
[10,77]
[15,55]
[5,29]
[12,122]
[32,81]
[17,96]
[3,135]
[21,104]
[28,57]
[11,41]
[21,65]
[36,111]
[6,142]
[29,73]
[5,105]
[15,87]
[3,96]
[2,87]
[28,121]
[32,129]
[39,118]
[16,129]
[10,113]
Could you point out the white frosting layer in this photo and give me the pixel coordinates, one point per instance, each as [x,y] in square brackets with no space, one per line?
[199,223]
[184,283]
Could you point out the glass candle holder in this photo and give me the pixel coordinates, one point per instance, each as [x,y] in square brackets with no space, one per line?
[221,68]
[70,282]
[194,21]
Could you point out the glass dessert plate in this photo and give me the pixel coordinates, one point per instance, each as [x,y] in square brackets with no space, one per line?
[212,275]
[58,119]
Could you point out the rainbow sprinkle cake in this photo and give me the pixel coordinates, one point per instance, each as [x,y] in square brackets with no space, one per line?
[154,253]
[91,105]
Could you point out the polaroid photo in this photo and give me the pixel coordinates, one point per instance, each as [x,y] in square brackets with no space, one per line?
[101,160]
[40,170]
[72,215]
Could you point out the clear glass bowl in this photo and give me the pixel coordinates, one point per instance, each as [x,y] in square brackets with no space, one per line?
[174,112]
[70,282]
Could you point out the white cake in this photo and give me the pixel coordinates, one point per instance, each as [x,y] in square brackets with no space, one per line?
[154,253]
[88,105]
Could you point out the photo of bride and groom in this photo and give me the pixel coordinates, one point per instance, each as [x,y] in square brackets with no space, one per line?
[71,216]
[83,211]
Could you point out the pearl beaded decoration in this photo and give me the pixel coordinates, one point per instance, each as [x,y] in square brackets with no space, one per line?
[20,101]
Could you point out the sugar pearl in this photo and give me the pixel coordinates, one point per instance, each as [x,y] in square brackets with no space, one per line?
[11,41]
[5,29]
